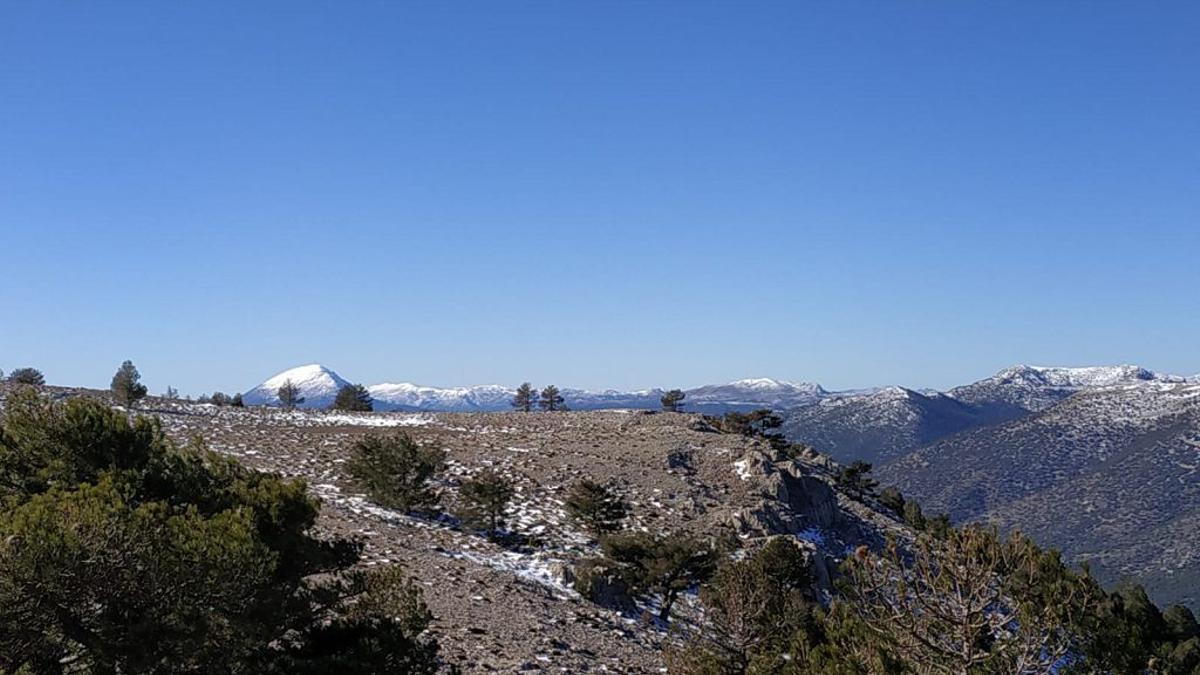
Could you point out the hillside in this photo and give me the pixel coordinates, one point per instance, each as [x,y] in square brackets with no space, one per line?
[884,424]
[1109,475]
[511,609]
[879,426]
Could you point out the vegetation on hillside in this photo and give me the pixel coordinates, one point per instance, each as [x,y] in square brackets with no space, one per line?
[121,552]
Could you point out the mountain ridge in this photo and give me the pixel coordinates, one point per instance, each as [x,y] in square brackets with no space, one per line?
[1009,393]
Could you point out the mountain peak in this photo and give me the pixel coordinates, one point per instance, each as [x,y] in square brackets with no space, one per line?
[318,385]
[1085,376]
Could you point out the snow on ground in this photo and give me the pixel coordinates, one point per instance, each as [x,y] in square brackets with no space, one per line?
[309,418]
[742,468]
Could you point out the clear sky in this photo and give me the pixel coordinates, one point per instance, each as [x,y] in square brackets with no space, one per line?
[617,194]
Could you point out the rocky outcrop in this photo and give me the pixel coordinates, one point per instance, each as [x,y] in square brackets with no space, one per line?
[792,500]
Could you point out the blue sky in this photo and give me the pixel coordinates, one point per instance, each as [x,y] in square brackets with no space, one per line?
[621,194]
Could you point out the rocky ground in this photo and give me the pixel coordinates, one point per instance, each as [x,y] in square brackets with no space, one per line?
[503,609]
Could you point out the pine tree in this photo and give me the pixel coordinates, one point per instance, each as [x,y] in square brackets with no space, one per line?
[672,400]
[856,479]
[354,398]
[171,394]
[596,507]
[237,401]
[662,564]
[753,608]
[220,398]
[395,472]
[484,499]
[289,395]
[126,384]
[31,376]
[551,400]
[526,397]
[893,500]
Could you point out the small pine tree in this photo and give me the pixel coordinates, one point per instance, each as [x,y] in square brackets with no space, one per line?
[893,500]
[551,400]
[856,479]
[395,472]
[354,398]
[667,565]
[220,398]
[764,421]
[672,401]
[754,607]
[525,398]
[913,516]
[171,394]
[31,376]
[483,501]
[939,526]
[596,507]
[236,401]
[126,384]
[289,395]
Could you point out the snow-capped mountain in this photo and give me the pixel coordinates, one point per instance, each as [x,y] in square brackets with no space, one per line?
[407,396]
[1108,475]
[1010,393]
[317,384]
[880,425]
[885,424]
[1034,388]
[760,392]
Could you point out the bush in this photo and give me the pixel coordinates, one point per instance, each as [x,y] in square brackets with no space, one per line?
[31,376]
[596,507]
[672,401]
[913,516]
[121,552]
[395,472]
[892,499]
[753,609]
[353,398]
[126,384]
[483,500]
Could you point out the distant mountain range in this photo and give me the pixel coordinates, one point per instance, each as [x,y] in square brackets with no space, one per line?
[319,385]
[1110,475]
[884,424]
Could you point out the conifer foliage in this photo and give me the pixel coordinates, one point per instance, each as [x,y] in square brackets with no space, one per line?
[127,385]
[525,398]
[121,552]
[662,564]
[672,401]
[551,399]
[395,471]
[289,395]
[596,507]
[31,376]
[483,500]
[353,398]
